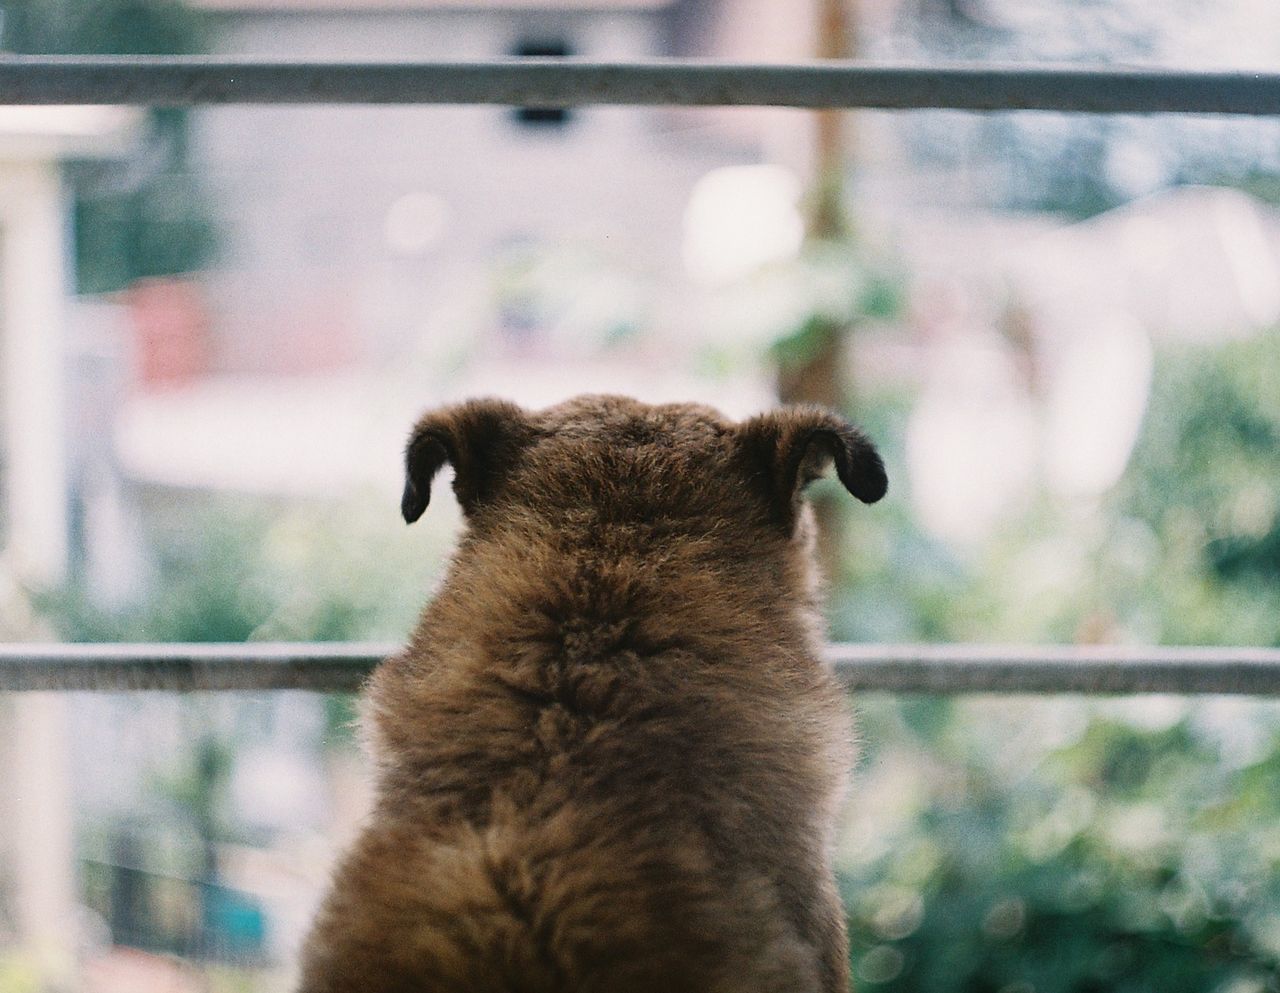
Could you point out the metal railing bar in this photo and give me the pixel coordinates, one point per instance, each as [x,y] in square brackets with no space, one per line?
[176,81]
[1100,670]
[937,669]
[330,667]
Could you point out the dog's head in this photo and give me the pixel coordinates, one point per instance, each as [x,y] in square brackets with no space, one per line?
[612,460]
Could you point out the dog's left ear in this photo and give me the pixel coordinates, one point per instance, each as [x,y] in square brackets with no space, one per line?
[479,438]
[792,447]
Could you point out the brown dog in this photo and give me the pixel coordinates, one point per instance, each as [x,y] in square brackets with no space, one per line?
[610,757]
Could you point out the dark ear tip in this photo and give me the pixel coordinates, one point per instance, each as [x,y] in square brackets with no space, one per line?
[870,482]
[861,469]
[424,456]
[412,504]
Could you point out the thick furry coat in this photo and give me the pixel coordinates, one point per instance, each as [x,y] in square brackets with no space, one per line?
[610,757]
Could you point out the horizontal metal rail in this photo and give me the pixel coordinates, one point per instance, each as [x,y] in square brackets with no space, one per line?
[181,81]
[958,669]
[331,667]
[936,669]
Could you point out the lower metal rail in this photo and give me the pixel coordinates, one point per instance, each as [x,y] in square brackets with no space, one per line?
[931,669]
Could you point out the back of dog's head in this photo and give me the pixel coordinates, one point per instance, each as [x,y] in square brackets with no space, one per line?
[611,461]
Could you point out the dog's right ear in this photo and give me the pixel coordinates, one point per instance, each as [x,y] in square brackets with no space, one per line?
[793,446]
[479,438]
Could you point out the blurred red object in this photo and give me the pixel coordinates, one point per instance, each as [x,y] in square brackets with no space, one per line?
[171,331]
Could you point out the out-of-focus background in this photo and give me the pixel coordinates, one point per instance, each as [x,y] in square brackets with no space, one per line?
[217,325]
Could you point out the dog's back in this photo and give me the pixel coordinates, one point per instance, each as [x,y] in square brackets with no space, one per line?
[609,758]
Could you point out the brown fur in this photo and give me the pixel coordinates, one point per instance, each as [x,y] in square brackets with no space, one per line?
[609,759]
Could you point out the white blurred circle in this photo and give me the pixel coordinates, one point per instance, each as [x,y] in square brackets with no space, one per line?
[415,222]
[740,218]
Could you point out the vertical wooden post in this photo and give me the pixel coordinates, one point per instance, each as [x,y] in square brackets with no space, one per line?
[820,378]
[835,40]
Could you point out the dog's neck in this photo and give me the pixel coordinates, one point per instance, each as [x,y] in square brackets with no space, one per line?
[660,581]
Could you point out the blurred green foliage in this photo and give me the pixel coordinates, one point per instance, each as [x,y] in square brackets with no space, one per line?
[102,27]
[1059,847]
[146,216]
[232,570]
[1205,485]
[1185,549]
[1061,853]
[837,284]
[235,570]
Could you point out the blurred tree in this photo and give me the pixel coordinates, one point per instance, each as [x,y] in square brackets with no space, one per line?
[1125,865]
[810,358]
[1205,483]
[143,217]
[1081,165]
[1135,855]
[1184,550]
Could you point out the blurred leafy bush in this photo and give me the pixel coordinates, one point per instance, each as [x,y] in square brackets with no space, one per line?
[230,570]
[1059,853]
[1058,847]
[1184,550]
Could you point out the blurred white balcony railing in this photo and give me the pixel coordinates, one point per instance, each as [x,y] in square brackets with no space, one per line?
[175,81]
[935,669]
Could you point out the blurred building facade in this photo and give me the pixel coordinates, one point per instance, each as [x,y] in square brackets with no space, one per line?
[342,227]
